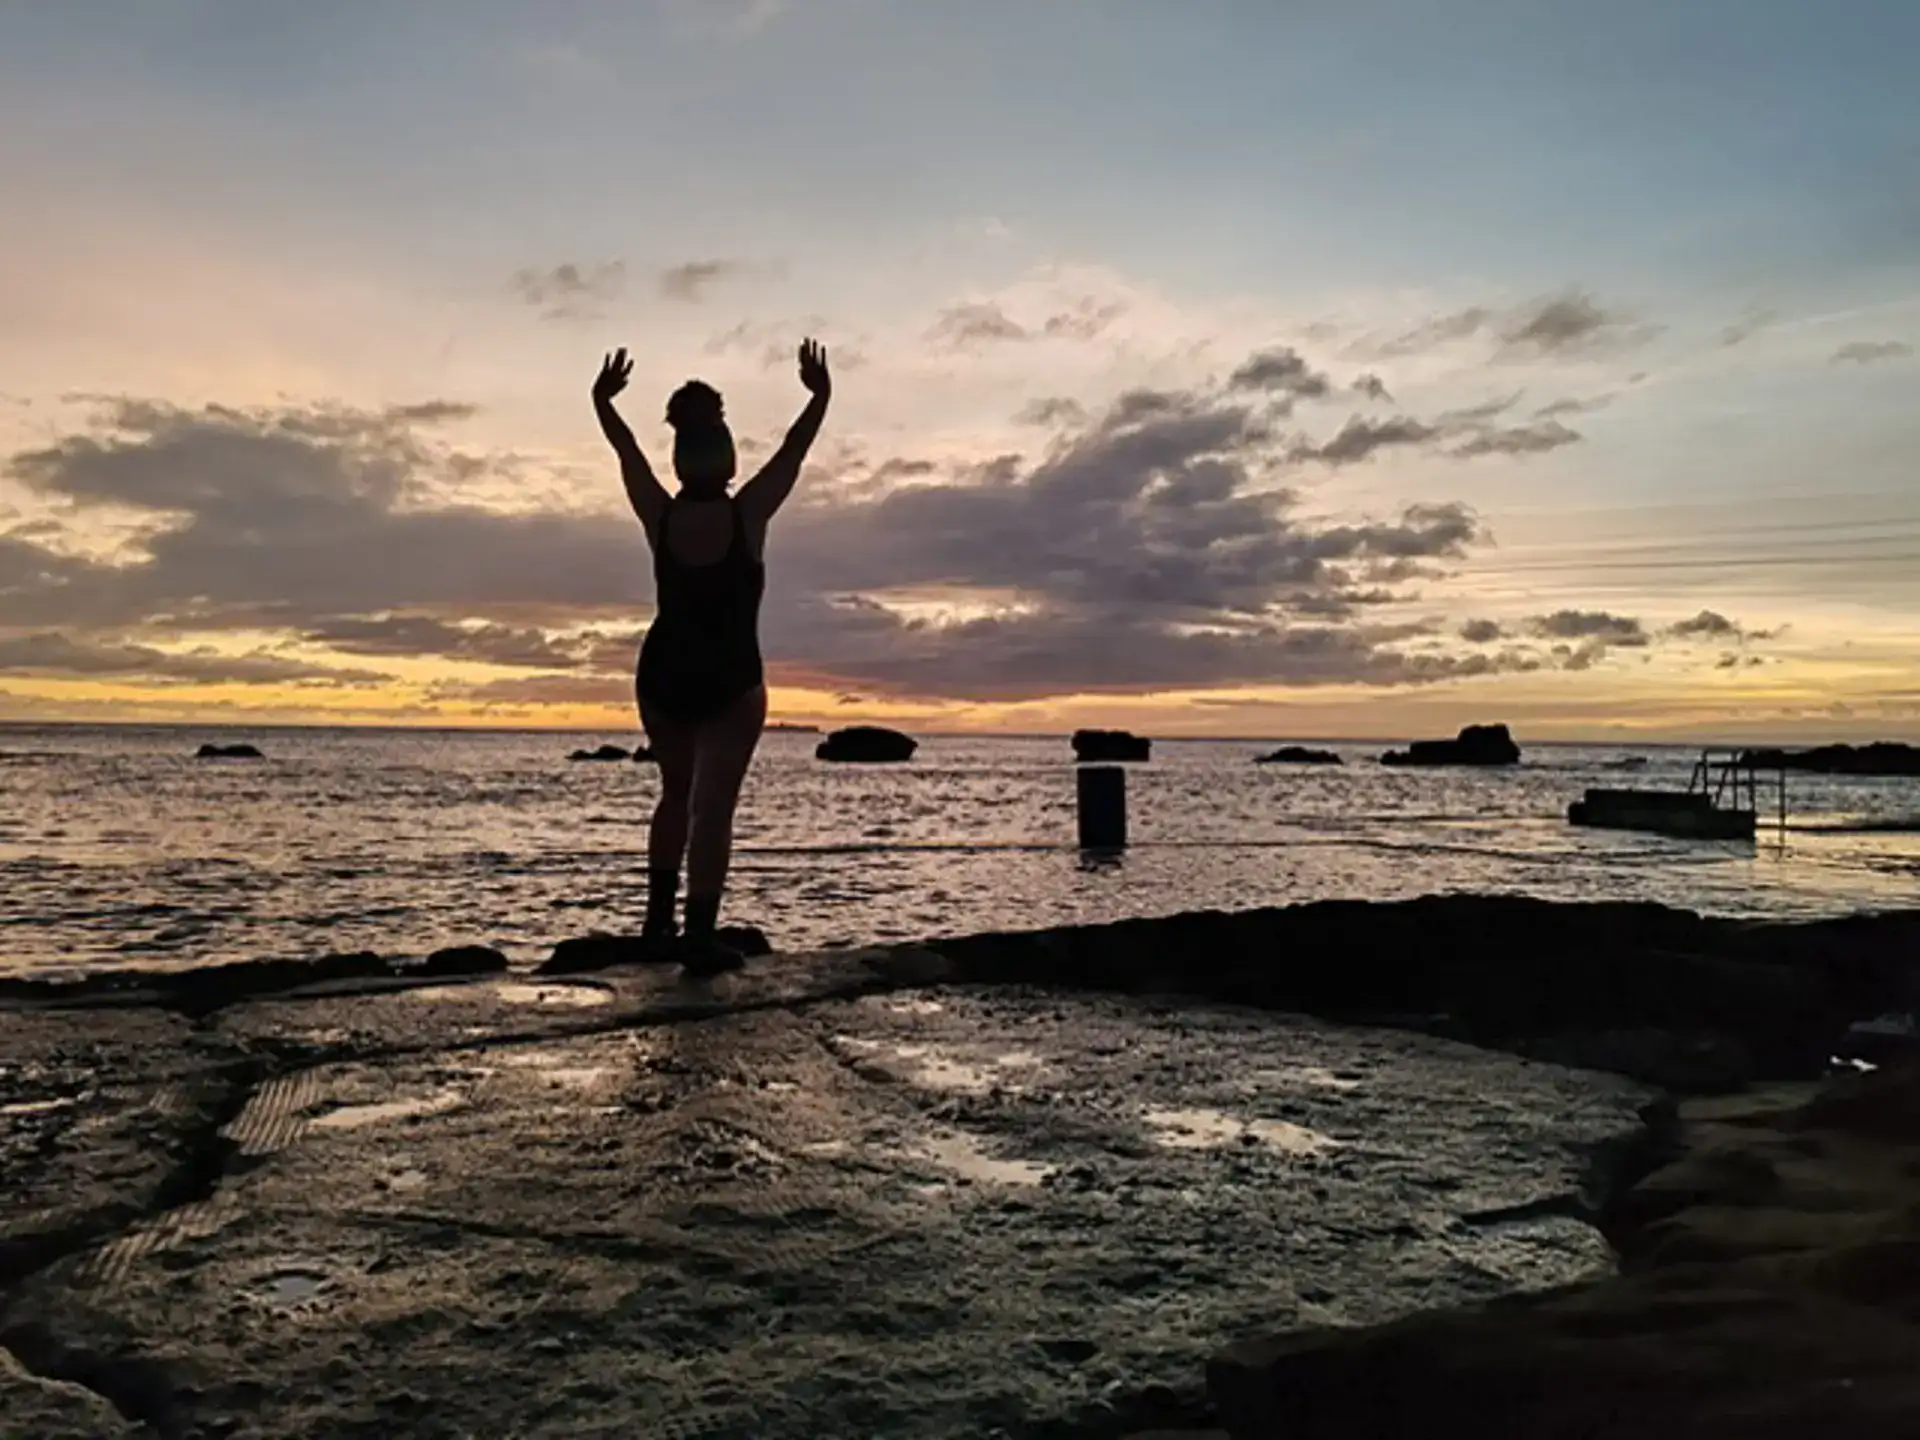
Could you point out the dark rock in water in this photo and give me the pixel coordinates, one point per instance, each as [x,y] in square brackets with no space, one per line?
[464,960]
[1883,757]
[1297,755]
[228,752]
[584,953]
[1475,745]
[870,744]
[1109,745]
[1768,1274]
[605,752]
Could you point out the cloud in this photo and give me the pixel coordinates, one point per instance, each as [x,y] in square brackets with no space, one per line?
[1711,625]
[982,322]
[1868,352]
[1751,322]
[1569,322]
[428,412]
[1360,438]
[691,281]
[1520,440]
[570,291]
[492,644]
[524,690]
[1590,625]
[1586,637]
[1050,411]
[1708,624]
[1147,547]
[1280,370]
[1571,406]
[1135,556]
[1441,330]
[975,323]
[50,653]
[1363,436]
[1373,387]
[1481,632]
[1472,416]
[288,516]
[1086,319]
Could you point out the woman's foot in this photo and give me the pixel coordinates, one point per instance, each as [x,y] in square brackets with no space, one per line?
[660,942]
[703,955]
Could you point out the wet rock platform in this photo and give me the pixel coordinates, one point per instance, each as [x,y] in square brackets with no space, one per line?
[895,1193]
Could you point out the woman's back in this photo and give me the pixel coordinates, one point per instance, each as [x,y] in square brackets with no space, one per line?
[703,647]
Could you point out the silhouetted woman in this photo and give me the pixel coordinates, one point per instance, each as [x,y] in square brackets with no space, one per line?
[702,692]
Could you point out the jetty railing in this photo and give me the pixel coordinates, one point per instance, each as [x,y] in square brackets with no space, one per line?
[1732,776]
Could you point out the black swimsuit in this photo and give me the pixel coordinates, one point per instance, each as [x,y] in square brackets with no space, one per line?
[702,651]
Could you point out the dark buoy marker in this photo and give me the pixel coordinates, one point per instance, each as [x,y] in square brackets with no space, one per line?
[1103,807]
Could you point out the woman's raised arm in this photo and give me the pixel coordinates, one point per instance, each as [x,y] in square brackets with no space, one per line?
[767,491]
[644,491]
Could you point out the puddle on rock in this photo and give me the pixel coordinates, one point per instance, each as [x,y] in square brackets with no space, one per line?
[1202,1129]
[1317,1076]
[291,1287]
[907,1005]
[561,1066]
[928,1066]
[963,1156]
[352,1117]
[36,1107]
[522,992]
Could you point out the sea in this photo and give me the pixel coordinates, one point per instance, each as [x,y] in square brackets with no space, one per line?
[118,848]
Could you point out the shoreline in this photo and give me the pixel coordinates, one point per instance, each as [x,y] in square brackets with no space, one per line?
[1754,999]
[1691,1006]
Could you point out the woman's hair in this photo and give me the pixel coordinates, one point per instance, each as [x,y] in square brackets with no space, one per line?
[696,406]
[703,454]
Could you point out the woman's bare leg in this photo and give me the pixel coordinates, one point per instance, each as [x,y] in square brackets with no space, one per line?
[673,744]
[722,752]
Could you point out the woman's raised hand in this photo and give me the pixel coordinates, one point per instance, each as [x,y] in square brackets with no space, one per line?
[813,367]
[612,379]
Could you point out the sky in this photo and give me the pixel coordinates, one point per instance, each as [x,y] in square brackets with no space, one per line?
[1236,367]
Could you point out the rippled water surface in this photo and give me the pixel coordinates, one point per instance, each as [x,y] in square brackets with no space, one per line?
[117,847]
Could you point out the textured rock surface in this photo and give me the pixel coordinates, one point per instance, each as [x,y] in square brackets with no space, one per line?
[1771,1289]
[776,1205]
[47,1409]
[770,1205]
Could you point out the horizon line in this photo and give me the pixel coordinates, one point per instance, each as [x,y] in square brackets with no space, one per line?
[801,727]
